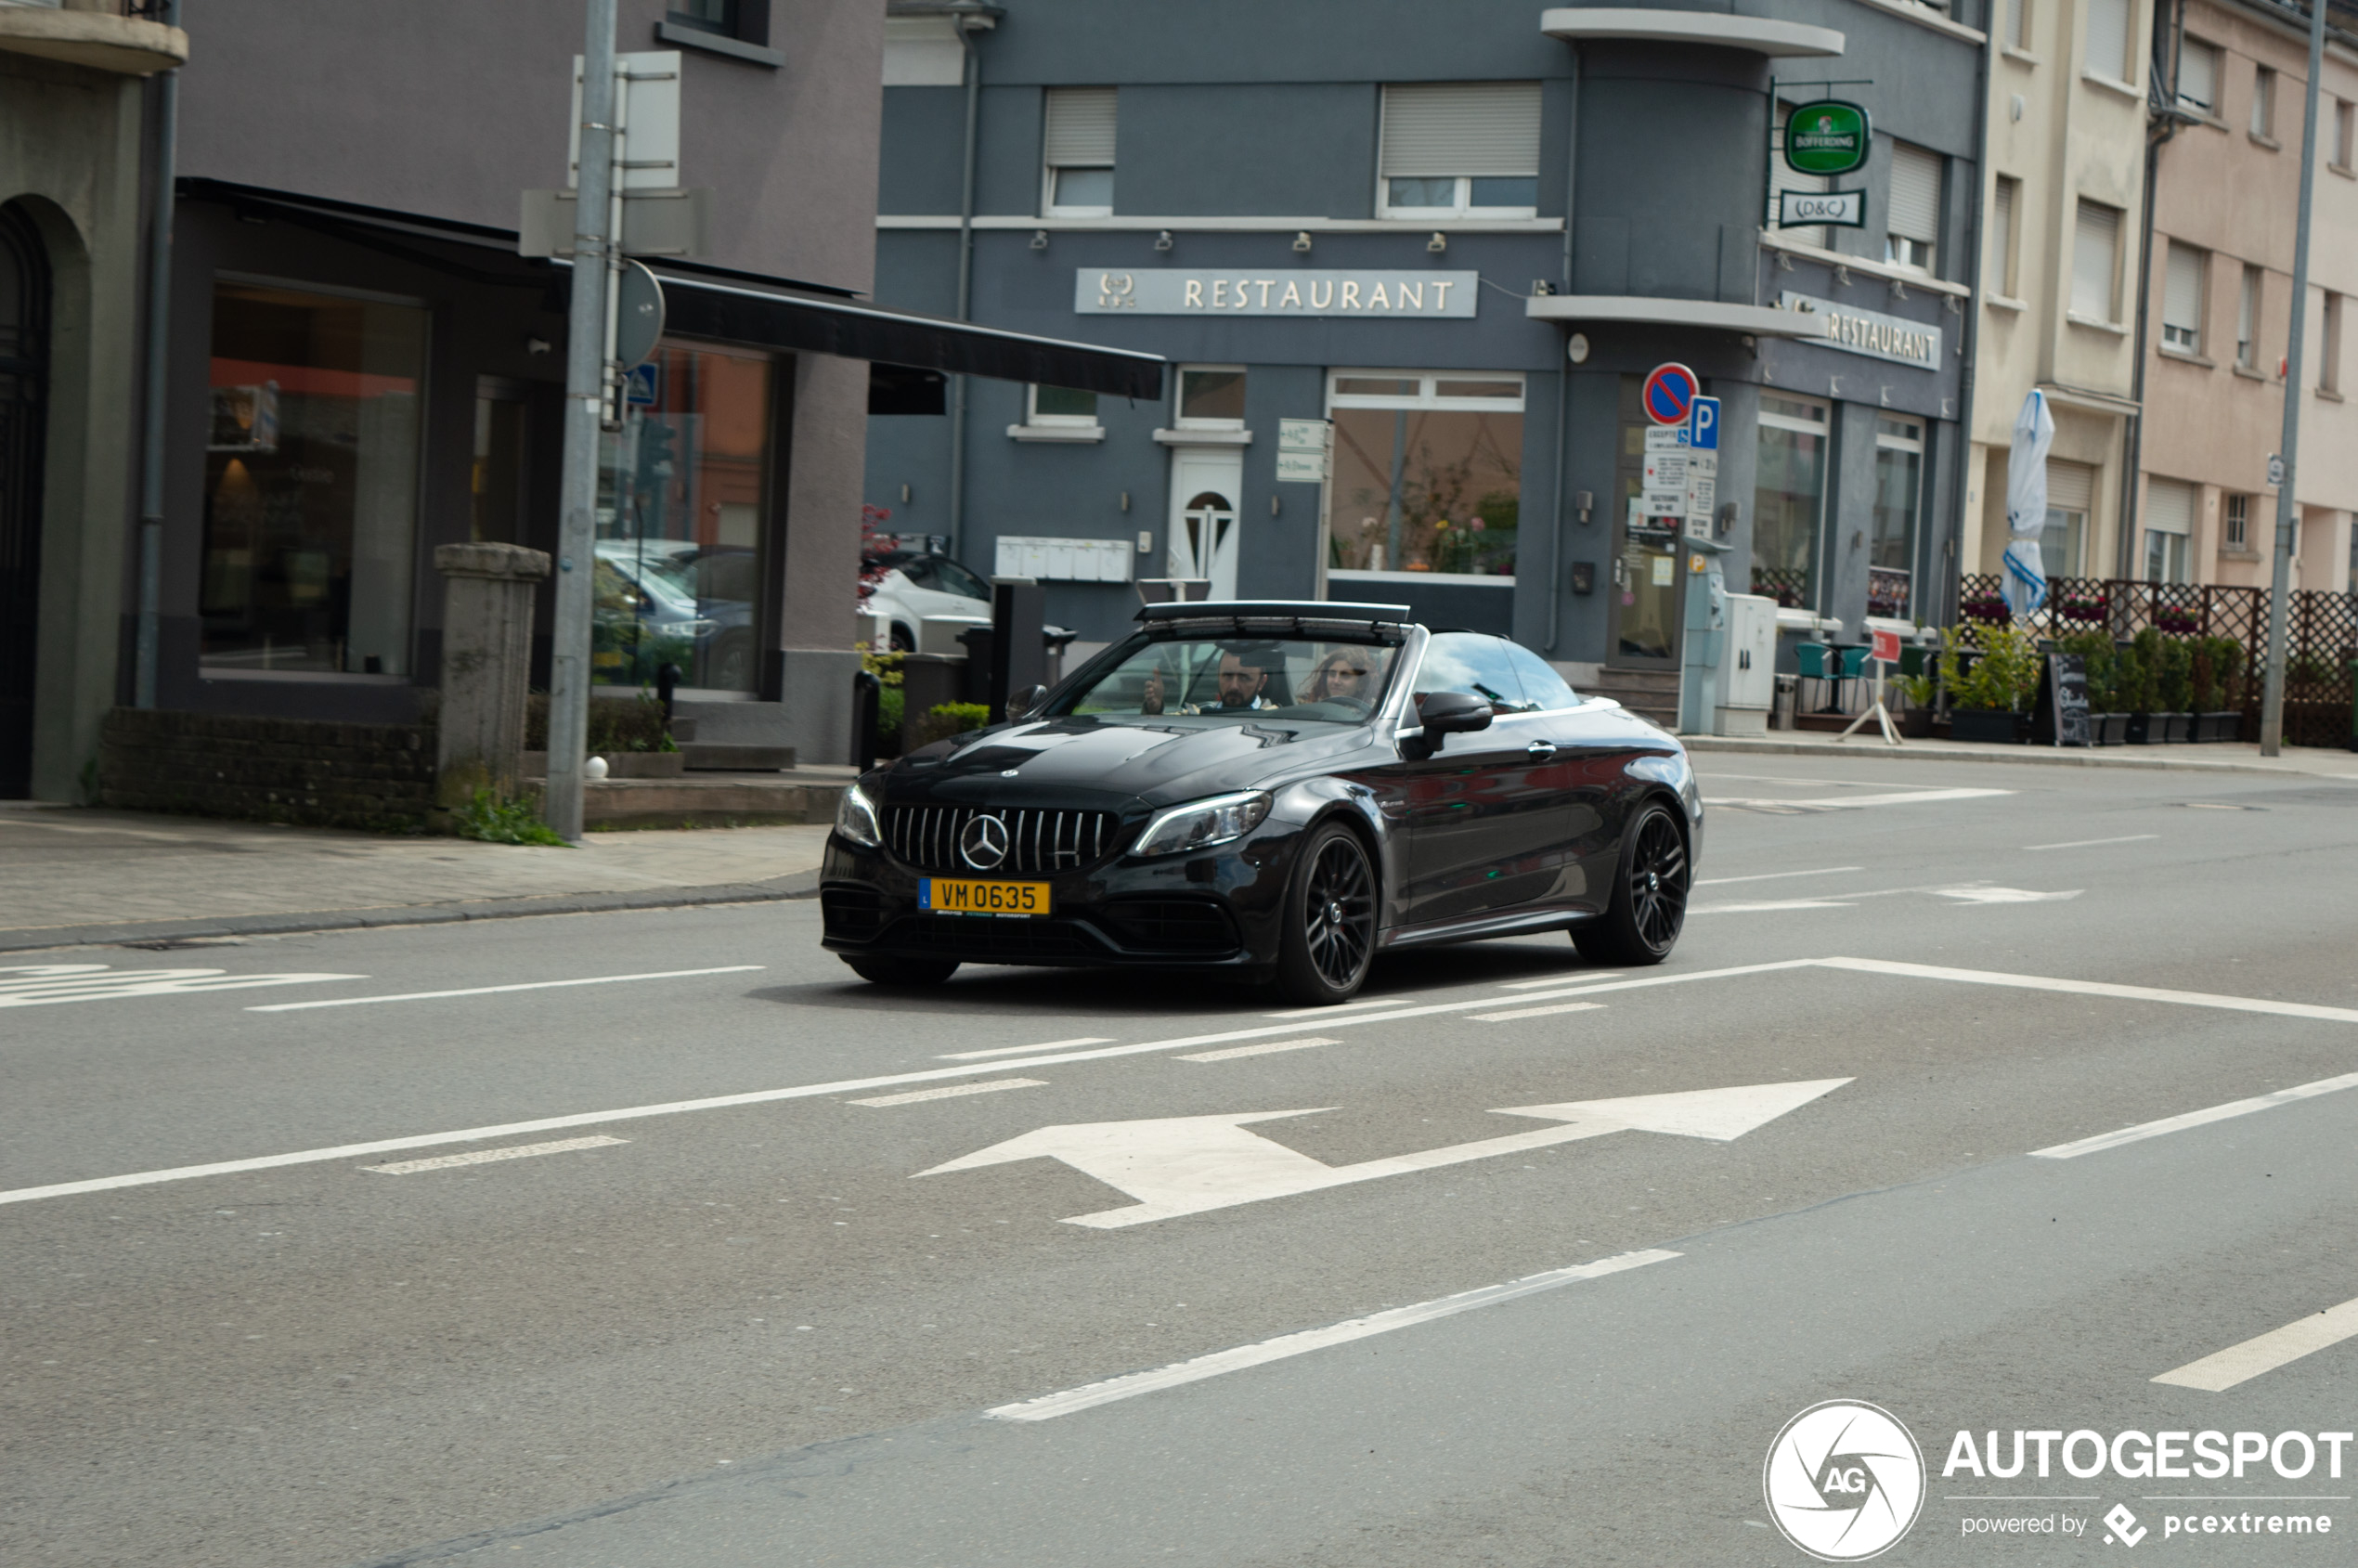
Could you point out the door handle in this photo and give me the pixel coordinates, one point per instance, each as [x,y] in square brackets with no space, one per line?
[1538,750]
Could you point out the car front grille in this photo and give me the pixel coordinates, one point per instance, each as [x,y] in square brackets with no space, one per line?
[984,940]
[1040,840]
[1174,925]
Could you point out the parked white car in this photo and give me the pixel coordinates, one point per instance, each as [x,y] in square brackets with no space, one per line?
[916,584]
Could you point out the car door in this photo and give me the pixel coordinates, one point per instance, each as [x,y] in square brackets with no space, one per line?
[1588,776]
[1480,837]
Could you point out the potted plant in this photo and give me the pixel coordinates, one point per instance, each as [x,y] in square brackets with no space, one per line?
[2177,620]
[1987,700]
[1917,693]
[2218,675]
[2082,607]
[1988,609]
[2107,723]
[2175,683]
[2134,677]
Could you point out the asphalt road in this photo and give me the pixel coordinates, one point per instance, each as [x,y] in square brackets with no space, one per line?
[751,1332]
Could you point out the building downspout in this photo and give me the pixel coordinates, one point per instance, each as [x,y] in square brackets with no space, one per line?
[2169,45]
[966,277]
[1960,487]
[1563,376]
[159,209]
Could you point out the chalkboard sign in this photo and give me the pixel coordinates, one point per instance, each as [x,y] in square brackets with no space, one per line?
[2061,717]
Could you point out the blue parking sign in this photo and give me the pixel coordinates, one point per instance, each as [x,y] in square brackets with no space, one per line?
[1702,425]
[643,385]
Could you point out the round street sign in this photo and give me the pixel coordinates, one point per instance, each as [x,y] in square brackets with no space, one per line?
[1830,136]
[1670,392]
[638,322]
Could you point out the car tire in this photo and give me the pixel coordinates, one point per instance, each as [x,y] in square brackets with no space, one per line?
[904,973]
[903,640]
[1650,885]
[1327,939]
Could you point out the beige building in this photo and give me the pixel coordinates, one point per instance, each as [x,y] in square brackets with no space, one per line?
[2226,191]
[2063,208]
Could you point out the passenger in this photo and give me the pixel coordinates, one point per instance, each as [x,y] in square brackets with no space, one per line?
[1341,676]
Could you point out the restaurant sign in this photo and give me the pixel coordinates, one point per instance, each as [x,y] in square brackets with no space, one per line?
[1279,291]
[1868,332]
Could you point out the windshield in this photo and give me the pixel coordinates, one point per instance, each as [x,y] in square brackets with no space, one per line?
[1330,682]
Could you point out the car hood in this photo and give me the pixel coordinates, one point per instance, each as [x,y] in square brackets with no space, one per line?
[1085,763]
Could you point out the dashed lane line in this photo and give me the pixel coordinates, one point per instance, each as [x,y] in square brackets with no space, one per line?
[1538,1012]
[1266,1048]
[1775,876]
[2239,1363]
[954,1091]
[2203,1118]
[487,1155]
[494,990]
[1019,1050]
[2092,843]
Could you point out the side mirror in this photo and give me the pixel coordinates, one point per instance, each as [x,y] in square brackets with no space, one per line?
[1451,713]
[1026,703]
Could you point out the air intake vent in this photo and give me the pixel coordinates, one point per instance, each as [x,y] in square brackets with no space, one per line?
[1038,841]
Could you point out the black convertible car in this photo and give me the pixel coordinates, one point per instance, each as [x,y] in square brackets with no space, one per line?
[1277,790]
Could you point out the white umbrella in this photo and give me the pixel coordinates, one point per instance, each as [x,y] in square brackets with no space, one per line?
[2025,579]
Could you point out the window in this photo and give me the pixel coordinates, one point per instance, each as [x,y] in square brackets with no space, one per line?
[495,480]
[1451,148]
[2095,261]
[1428,471]
[2237,532]
[2018,24]
[1061,405]
[1782,178]
[2329,358]
[1788,499]
[2071,490]
[1078,145]
[311,481]
[736,28]
[1891,554]
[2199,78]
[683,544]
[1914,207]
[1544,689]
[2004,200]
[2169,520]
[1468,661]
[2182,298]
[706,15]
[2264,104]
[2248,319]
[2108,39]
[2343,117]
[1212,397]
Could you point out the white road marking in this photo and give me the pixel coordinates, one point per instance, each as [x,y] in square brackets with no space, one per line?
[1267,1047]
[485,1155]
[1019,1050]
[1560,979]
[43,985]
[1775,876]
[1193,1165]
[2091,843]
[494,990]
[954,1091]
[2092,988]
[2240,1364]
[1050,1405]
[772,1096]
[2167,1125]
[1764,905]
[1857,801]
[2004,895]
[1538,1012]
[1340,1006]
[1828,783]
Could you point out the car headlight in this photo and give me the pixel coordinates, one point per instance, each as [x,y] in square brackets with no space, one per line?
[1201,823]
[856,819]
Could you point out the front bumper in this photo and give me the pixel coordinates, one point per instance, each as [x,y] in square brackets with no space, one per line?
[1217,909]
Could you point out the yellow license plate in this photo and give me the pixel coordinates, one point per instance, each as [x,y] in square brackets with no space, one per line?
[944,895]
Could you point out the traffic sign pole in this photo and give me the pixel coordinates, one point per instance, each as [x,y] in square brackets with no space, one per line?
[588,327]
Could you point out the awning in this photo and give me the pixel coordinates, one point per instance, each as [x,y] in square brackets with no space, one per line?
[714,302]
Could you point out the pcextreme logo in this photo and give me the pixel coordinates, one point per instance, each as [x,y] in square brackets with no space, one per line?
[1844,1481]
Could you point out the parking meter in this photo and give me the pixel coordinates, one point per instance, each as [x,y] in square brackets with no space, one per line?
[1705,643]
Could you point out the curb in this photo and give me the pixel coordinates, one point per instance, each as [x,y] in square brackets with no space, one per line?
[799,885]
[2036,757]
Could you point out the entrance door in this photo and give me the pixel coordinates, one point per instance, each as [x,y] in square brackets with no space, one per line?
[24,383]
[1643,612]
[1205,484]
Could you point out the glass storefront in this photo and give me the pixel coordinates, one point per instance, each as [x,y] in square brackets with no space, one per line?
[1788,499]
[683,548]
[310,482]
[1428,471]
[1891,559]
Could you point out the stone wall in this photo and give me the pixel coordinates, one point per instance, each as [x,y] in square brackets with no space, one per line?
[373,776]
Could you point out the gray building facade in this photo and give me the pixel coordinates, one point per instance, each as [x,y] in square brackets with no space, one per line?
[1460,237]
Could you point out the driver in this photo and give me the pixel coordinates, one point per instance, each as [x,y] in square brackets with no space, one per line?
[1242,681]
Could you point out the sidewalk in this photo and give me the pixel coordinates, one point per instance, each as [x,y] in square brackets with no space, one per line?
[2221,757]
[70,875]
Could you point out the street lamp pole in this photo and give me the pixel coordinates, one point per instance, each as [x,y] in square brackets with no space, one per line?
[2272,701]
[586,397]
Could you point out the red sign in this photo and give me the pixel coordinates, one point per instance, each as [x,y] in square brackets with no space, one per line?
[1670,392]
[1885,647]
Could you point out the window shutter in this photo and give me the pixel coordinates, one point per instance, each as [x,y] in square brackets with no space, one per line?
[2181,291]
[2199,77]
[2108,38]
[2094,261]
[2018,23]
[1915,193]
[2001,234]
[1081,127]
[2071,487]
[2169,506]
[1461,128]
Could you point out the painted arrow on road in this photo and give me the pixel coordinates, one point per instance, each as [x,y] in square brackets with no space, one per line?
[1188,1164]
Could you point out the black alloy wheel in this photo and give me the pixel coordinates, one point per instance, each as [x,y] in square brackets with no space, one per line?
[1329,936]
[1649,905]
[903,972]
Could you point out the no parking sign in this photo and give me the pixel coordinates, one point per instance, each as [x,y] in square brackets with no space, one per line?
[1670,393]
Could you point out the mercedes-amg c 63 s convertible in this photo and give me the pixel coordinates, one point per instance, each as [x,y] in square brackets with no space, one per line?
[1281,792]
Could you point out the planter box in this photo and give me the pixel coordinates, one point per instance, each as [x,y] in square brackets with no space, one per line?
[1916,724]
[2223,726]
[1985,724]
[2170,729]
[2140,728]
[2109,729]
